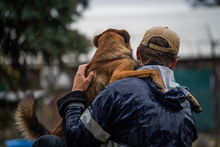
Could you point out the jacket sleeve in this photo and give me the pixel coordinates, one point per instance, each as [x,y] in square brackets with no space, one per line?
[73,98]
[79,127]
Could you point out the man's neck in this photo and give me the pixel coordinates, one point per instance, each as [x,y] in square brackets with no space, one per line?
[152,63]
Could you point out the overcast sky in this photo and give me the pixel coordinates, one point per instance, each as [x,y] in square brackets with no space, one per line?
[137,16]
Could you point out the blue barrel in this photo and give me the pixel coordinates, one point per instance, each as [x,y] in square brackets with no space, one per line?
[19,143]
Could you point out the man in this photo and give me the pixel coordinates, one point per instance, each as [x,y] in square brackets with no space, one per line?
[131,111]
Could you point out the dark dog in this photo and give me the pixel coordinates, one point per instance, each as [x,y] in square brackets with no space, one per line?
[112,61]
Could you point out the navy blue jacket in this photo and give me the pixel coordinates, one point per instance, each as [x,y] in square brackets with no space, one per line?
[129,112]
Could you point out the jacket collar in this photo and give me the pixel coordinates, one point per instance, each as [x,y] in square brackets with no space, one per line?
[151,63]
[166,74]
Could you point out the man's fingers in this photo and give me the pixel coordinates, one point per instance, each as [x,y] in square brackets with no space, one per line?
[83,67]
[90,76]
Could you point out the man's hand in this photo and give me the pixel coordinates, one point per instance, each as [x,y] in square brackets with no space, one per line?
[80,81]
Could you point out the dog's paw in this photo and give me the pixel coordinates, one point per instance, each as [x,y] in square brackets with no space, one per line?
[160,88]
[196,107]
[194,104]
[159,85]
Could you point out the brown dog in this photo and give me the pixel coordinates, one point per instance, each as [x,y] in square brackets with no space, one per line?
[112,61]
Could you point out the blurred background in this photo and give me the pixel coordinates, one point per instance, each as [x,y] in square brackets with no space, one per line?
[42,42]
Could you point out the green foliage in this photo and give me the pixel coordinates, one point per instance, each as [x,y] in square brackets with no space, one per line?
[30,27]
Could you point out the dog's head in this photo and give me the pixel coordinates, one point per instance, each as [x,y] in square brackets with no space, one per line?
[110,32]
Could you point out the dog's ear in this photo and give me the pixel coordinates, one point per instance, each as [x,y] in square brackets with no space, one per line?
[96,39]
[125,35]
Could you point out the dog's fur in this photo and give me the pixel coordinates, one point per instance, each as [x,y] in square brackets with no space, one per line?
[112,61]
